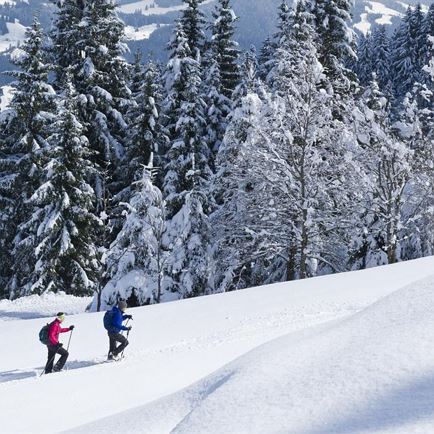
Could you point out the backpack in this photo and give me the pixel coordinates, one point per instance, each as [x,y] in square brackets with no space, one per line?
[108,320]
[43,334]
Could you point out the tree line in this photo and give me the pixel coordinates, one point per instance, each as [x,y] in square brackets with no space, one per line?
[220,170]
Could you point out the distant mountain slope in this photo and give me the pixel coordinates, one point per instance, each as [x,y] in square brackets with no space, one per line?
[149,22]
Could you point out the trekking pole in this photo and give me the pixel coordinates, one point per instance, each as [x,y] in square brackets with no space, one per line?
[69,341]
[128,333]
[51,360]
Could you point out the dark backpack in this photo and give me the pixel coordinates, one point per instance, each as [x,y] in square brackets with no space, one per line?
[43,334]
[108,320]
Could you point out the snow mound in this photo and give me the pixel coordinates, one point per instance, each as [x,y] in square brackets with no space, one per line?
[41,306]
[371,372]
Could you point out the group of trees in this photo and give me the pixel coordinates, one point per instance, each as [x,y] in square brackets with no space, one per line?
[219,170]
[398,59]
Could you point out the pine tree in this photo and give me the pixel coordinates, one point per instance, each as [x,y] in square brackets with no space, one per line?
[250,81]
[25,138]
[225,48]
[65,51]
[266,57]
[64,223]
[136,260]
[193,21]
[382,57]
[147,136]
[403,67]
[427,49]
[364,66]
[218,107]
[187,171]
[93,35]
[332,19]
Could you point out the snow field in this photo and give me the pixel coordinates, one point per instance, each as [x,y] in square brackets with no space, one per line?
[150,7]
[201,365]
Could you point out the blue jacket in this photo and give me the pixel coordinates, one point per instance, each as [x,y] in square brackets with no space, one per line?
[117,318]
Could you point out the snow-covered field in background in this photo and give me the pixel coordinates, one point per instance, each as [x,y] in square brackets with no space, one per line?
[344,353]
[363,25]
[6,96]
[140,33]
[46,305]
[150,7]
[15,35]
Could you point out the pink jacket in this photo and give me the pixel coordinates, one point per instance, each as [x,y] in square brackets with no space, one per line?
[53,333]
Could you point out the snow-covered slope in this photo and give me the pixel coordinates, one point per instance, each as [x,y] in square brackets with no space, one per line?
[319,355]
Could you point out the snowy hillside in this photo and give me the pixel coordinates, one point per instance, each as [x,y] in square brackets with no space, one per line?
[343,353]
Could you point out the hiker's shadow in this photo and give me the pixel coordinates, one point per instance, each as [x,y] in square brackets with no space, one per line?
[19,374]
[16,374]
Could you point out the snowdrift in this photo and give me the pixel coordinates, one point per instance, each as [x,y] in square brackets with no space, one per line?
[342,353]
[371,372]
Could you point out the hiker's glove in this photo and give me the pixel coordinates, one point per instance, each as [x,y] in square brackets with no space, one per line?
[128,317]
[71,328]
[129,328]
[59,345]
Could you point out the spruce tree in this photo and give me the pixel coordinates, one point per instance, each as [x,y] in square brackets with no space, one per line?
[193,21]
[187,171]
[250,77]
[99,75]
[337,42]
[25,138]
[364,66]
[403,67]
[381,58]
[65,51]
[266,57]
[136,260]
[66,250]
[225,49]
[147,136]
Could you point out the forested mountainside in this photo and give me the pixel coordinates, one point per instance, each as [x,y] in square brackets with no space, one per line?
[150,22]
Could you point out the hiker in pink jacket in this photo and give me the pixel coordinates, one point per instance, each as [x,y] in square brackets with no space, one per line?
[54,346]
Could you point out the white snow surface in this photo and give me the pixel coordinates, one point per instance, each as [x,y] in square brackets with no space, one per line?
[16,35]
[6,96]
[344,353]
[150,7]
[141,33]
[43,306]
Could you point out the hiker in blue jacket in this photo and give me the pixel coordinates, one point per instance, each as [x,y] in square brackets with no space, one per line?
[113,323]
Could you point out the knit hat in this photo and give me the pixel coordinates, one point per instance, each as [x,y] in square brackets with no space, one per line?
[122,305]
[60,315]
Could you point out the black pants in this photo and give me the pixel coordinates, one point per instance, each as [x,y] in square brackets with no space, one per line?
[117,337]
[52,351]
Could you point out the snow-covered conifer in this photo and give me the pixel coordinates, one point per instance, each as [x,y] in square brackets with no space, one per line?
[193,21]
[225,49]
[25,133]
[63,223]
[337,41]
[403,67]
[187,171]
[136,261]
